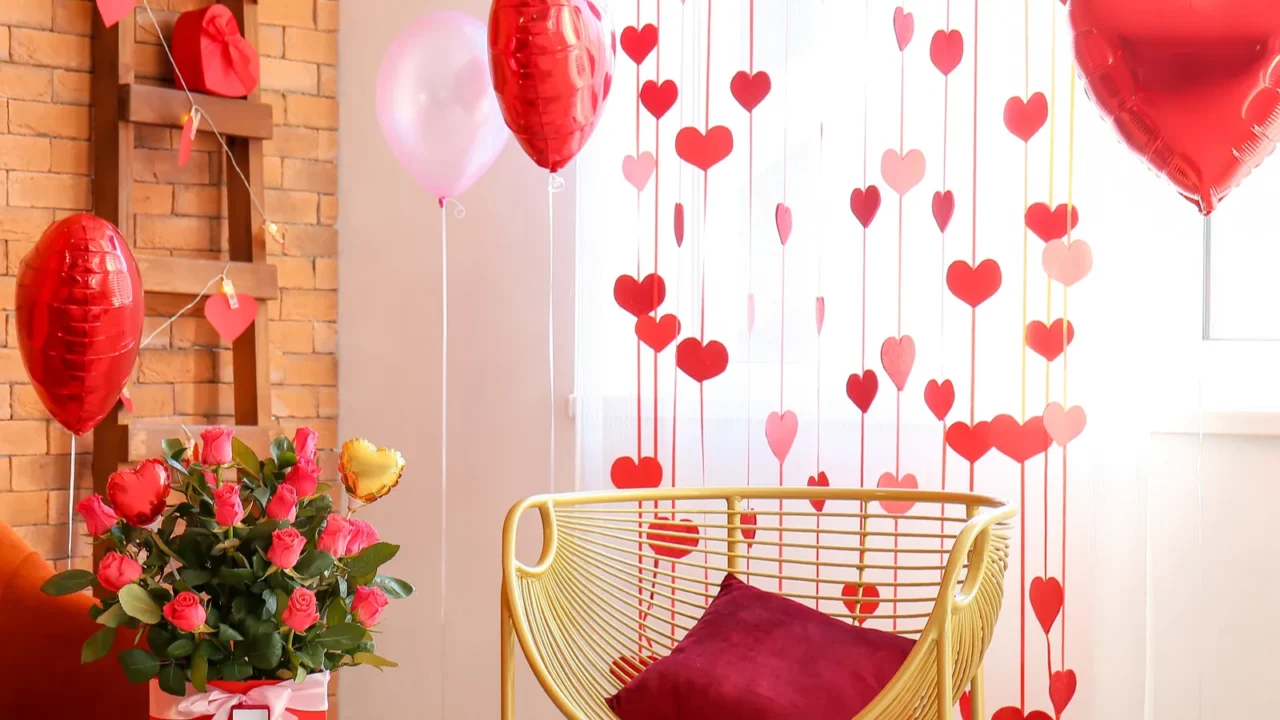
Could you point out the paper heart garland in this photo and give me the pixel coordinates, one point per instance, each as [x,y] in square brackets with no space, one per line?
[819,480]
[1047,341]
[139,496]
[228,321]
[1067,264]
[780,432]
[970,442]
[1053,225]
[902,172]
[897,356]
[904,27]
[974,286]
[701,362]
[658,99]
[638,170]
[1046,601]
[704,151]
[750,90]
[748,521]
[865,204]
[1064,425]
[1019,441]
[1024,118]
[782,218]
[945,50]
[861,599]
[1013,713]
[664,533]
[678,223]
[369,472]
[1062,688]
[637,43]
[627,474]
[639,297]
[889,481]
[751,313]
[657,334]
[940,398]
[862,389]
[944,207]
[114,10]
[820,312]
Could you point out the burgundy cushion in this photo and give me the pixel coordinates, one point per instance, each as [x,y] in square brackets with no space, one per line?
[759,656]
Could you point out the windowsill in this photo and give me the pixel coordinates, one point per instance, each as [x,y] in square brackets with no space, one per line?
[1239,424]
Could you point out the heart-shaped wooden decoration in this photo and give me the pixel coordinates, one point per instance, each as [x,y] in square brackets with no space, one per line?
[627,474]
[670,538]
[228,321]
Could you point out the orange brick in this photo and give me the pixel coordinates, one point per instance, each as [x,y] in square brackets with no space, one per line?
[49,190]
[326,337]
[328,81]
[71,156]
[175,366]
[327,401]
[11,368]
[296,13]
[308,241]
[327,14]
[319,177]
[172,232]
[151,199]
[308,304]
[25,404]
[311,369]
[73,16]
[58,501]
[23,224]
[35,47]
[8,283]
[272,172]
[60,440]
[50,541]
[287,206]
[160,166]
[314,112]
[289,76]
[276,101]
[311,46]
[4,44]
[291,336]
[202,200]
[49,472]
[24,153]
[71,88]
[189,332]
[23,437]
[152,400]
[151,324]
[27,13]
[6,410]
[151,63]
[277,368]
[204,399]
[11,331]
[270,41]
[328,146]
[294,272]
[326,274]
[24,82]
[38,118]
[151,136]
[293,142]
[204,142]
[24,508]
[6,477]
[4,114]
[328,209]
[293,402]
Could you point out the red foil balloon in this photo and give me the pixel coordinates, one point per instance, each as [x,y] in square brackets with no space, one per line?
[79,314]
[1191,85]
[552,64]
[139,496]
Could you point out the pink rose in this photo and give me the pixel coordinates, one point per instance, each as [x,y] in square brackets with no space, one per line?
[368,605]
[304,443]
[304,477]
[97,515]
[362,536]
[284,504]
[336,536]
[116,570]
[227,506]
[286,546]
[301,613]
[217,446]
[185,612]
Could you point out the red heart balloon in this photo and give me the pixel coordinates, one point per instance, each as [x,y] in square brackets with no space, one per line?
[79,313]
[212,55]
[138,496]
[552,66]
[1192,87]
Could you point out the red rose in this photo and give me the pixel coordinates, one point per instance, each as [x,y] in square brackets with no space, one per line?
[217,446]
[185,612]
[228,509]
[301,613]
[286,547]
[362,536]
[97,515]
[284,504]
[336,536]
[368,605]
[304,443]
[304,477]
[116,570]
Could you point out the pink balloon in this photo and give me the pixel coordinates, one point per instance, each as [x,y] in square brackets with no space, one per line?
[436,104]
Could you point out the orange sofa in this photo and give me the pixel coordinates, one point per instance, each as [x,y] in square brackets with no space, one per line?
[40,637]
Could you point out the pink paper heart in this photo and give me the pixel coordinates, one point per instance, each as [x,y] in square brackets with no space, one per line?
[1064,425]
[897,355]
[904,27]
[679,224]
[782,217]
[638,170]
[780,431]
[889,481]
[902,172]
[820,311]
[230,322]
[114,10]
[751,312]
[1068,264]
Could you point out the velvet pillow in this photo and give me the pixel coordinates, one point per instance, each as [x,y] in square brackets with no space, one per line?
[758,656]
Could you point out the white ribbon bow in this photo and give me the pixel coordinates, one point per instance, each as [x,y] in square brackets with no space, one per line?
[310,694]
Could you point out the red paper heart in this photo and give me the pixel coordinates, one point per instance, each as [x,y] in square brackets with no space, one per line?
[1013,713]
[658,99]
[638,170]
[228,321]
[748,522]
[1046,601]
[678,221]
[966,707]
[897,356]
[701,362]
[820,480]
[946,50]
[782,218]
[639,298]
[638,43]
[970,443]
[681,533]
[904,27]
[627,474]
[704,151]
[973,286]
[1047,340]
[861,599]
[940,398]
[1062,688]
[889,481]
[657,334]
[1019,441]
[114,10]
[1051,225]
[187,140]
[944,206]
[862,389]
[780,432]
[138,496]
[1024,118]
[750,90]
[865,204]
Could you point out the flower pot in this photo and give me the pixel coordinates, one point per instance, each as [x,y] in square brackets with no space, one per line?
[308,700]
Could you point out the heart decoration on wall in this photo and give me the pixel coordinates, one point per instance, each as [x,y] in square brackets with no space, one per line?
[113,11]
[665,532]
[1048,341]
[639,297]
[865,203]
[1062,688]
[704,151]
[974,286]
[658,99]
[898,355]
[657,333]
[1019,441]
[1067,264]
[750,90]
[944,207]
[1052,225]
[701,362]
[229,321]
[627,474]
[821,481]
[782,218]
[1024,118]
[678,224]
[970,442]
[946,49]
[1046,596]
[940,397]
[637,43]
[1064,425]
[780,431]
[889,481]
[638,170]
[861,599]
[904,27]
[902,172]
[862,389]
[820,312]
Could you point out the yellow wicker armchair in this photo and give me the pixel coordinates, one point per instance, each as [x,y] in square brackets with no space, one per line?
[624,575]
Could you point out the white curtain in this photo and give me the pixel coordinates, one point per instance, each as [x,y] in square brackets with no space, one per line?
[833,111]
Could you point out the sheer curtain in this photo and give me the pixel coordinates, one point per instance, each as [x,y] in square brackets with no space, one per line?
[797,320]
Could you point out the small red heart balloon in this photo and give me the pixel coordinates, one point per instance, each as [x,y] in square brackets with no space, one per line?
[138,496]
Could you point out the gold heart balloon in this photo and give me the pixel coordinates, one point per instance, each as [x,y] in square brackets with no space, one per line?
[369,472]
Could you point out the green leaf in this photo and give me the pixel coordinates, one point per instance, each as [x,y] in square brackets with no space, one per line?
[314,563]
[114,617]
[213,617]
[262,495]
[255,627]
[280,446]
[337,612]
[173,680]
[138,604]
[265,651]
[286,460]
[159,640]
[181,648]
[377,661]
[67,582]
[282,603]
[200,668]
[341,637]
[139,665]
[371,558]
[268,603]
[395,588]
[239,608]
[263,529]
[228,634]
[235,577]
[245,459]
[236,670]
[312,656]
[173,448]
[195,577]
[98,645]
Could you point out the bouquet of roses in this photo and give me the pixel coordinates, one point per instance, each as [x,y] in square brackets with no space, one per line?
[251,575]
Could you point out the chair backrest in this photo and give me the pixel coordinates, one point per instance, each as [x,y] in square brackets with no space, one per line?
[624,575]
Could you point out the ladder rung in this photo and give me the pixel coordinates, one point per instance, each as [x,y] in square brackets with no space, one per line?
[188,276]
[234,117]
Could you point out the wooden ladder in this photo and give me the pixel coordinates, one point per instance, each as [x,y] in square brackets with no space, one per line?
[120,103]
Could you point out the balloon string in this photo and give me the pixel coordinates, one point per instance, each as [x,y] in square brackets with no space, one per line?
[220,276]
[444,431]
[71,501]
[555,184]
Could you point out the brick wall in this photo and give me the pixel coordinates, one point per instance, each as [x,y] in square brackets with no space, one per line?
[184,375]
